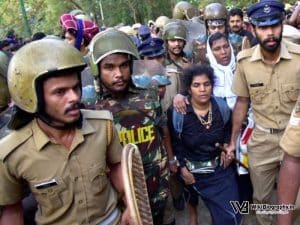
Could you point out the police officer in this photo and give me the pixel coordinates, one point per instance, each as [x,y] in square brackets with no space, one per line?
[153,53]
[60,151]
[135,111]
[215,18]
[153,50]
[175,37]
[268,75]
[289,179]
[144,33]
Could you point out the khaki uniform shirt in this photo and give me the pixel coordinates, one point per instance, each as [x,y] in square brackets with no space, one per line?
[78,190]
[273,89]
[290,141]
[175,76]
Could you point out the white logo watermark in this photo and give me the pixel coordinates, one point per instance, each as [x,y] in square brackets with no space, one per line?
[245,207]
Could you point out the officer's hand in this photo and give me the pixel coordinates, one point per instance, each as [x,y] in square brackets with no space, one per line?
[227,154]
[187,176]
[126,219]
[226,159]
[173,166]
[229,149]
[179,102]
[186,62]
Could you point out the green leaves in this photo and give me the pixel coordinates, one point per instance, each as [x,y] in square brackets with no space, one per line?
[43,15]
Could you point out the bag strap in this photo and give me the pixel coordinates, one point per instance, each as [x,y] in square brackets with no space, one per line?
[224,109]
[177,120]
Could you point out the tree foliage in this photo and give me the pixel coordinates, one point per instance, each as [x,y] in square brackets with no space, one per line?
[43,15]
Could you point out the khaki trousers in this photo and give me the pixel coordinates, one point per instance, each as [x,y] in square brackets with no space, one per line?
[265,156]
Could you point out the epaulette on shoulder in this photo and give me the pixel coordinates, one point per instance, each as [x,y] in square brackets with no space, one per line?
[292,47]
[10,142]
[245,54]
[171,70]
[97,114]
[101,114]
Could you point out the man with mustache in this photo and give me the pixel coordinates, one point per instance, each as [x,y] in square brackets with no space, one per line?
[175,37]
[236,27]
[268,77]
[136,111]
[60,152]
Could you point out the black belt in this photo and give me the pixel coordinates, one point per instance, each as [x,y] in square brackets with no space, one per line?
[269,130]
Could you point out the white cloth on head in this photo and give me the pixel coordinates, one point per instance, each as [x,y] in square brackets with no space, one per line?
[223,76]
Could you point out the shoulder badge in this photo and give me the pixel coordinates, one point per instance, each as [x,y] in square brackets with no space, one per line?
[245,54]
[97,114]
[170,69]
[101,114]
[10,142]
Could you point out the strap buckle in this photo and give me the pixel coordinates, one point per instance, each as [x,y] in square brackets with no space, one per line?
[275,131]
[269,130]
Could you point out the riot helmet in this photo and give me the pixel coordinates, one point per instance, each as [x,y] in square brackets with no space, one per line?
[161,21]
[216,15]
[175,30]
[184,11]
[34,61]
[109,42]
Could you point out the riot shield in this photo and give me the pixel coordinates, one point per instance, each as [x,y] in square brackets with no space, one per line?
[195,31]
[135,186]
[148,73]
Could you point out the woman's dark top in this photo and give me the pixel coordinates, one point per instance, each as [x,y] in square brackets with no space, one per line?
[196,143]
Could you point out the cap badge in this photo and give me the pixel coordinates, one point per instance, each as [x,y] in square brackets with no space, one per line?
[267,9]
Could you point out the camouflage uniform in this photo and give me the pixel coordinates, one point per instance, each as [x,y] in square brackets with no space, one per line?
[137,119]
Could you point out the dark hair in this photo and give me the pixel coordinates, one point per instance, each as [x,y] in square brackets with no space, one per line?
[38,36]
[74,33]
[198,70]
[216,36]
[236,12]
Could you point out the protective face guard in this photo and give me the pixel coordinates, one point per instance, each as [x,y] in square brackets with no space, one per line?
[135,186]
[144,81]
[217,22]
[147,73]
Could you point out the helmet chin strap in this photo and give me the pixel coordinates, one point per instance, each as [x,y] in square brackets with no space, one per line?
[47,119]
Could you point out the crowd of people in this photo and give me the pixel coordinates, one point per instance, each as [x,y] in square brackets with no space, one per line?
[183,97]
